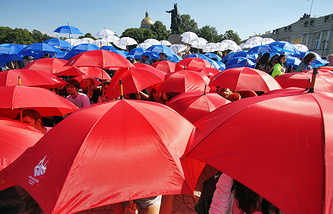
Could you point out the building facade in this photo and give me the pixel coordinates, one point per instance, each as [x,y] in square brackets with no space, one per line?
[315,33]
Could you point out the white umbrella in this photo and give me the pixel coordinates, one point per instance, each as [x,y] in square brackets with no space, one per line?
[104,33]
[210,47]
[188,36]
[72,41]
[123,42]
[112,38]
[266,41]
[301,47]
[101,42]
[198,42]
[166,43]
[143,45]
[152,41]
[231,45]
[86,40]
[177,48]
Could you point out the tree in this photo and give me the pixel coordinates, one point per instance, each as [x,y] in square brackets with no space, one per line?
[188,24]
[160,30]
[87,35]
[210,34]
[139,34]
[230,34]
[39,37]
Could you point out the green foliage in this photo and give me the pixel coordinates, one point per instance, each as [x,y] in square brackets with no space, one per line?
[87,35]
[160,30]
[139,34]
[230,34]
[210,34]
[21,36]
[188,24]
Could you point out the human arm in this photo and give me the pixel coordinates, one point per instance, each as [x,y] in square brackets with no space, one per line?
[223,196]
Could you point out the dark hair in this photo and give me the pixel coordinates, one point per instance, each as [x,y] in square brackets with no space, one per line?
[74,82]
[249,201]
[264,59]
[279,59]
[33,114]
[308,58]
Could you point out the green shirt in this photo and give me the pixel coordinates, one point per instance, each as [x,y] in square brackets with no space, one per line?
[277,70]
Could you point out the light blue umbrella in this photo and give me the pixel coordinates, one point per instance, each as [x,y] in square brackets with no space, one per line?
[284,47]
[136,52]
[108,48]
[81,48]
[293,61]
[240,62]
[319,62]
[213,56]
[121,52]
[175,58]
[221,66]
[59,43]
[161,49]
[151,55]
[261,49]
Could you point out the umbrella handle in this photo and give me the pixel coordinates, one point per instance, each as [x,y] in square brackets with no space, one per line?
[121,89]
[314,74]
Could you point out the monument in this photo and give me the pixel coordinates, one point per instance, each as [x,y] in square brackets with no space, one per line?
[176,21]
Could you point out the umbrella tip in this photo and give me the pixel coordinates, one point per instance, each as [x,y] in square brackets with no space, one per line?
[205,90]
[314,74]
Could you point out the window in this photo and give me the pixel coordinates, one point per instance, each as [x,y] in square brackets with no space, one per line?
[316,41]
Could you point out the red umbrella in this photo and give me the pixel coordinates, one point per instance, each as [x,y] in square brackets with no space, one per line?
[49,65]
[16,137]
[330,68]
[133,80]
[185,81]
[195,105]
[27,77]
[94,72]
[109,157]
[166,66]
[245,79]
[193,63]
[280,147]
[302,80]
[101,59]
[209,72]
[150,68]
[47,103]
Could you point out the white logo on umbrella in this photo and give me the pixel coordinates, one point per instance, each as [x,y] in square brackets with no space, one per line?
[40,168]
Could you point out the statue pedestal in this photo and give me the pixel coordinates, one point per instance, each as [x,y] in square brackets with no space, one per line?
[175,39]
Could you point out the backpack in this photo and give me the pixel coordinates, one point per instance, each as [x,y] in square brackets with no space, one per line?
[208,189]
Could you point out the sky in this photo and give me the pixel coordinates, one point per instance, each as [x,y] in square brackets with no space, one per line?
[246,17]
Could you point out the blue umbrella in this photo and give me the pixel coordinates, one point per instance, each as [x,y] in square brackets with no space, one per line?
[175,58]
[213,56]
[197,55]
[228,57]
[67,29]
[240,54]
[38,50]
[108,48]
[240,62]
[221,66]
[59,43]
[121,52]
[79,49]
[136,52]
[261,49]
[293,61]
[283,47]
[151,55]
[11,48]
[161,49]
[319,62]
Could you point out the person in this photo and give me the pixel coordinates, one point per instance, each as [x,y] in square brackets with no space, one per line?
[163,57]
[271,63]
[91,90]
[26,60]
[145,59]
[279,67]
[306,63]
[330,60]
[79,99]
[232,196]
[262,61]
[103,97]
[156,96]
[33,118]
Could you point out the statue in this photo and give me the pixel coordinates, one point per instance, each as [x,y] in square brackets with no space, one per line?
[175,20]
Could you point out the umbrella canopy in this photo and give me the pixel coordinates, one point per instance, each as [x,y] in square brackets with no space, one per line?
[177,48]
[93,72]
[46,102]
[137,52]
[134,80]
[240,62]
[193,63]
[210,72]
[302,80]
[213,56]
[165,66]
[28,77]
[38,50]
[68,30]
[48,65]
[261,49]
[188,36]
[152,41]
[101,59]
[16,137]
[293,61]
[104,33]
[271,160]
[80,49]
[58,43]
[185,81]
[160,49]
[198,42]
[284,46]
[123,42]
[195,105]
[9,52]
[166,43]
[124,159]
[245,79]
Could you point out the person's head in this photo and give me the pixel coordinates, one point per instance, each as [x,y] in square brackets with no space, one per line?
[224,92]
[234,96]
[155,95]
[47,55]
[163,56]
[73,86]
[282,59]
[330,59]
[26,60]
[309,58]
[264,59]
[32,117]
[106,84]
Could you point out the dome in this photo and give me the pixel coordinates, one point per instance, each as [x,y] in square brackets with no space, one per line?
[146,22]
